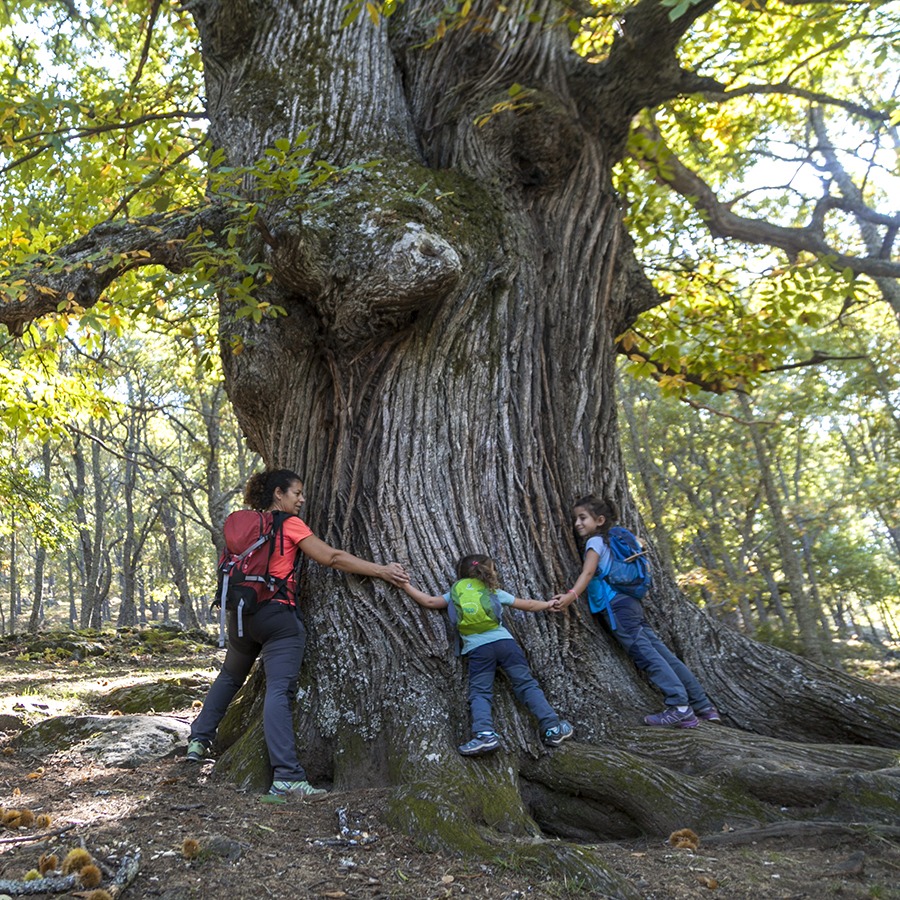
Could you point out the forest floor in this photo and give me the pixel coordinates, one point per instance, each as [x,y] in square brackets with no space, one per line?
[340,848]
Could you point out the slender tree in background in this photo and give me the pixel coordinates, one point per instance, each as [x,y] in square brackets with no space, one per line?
[176,561]
[437,208]
[40,556]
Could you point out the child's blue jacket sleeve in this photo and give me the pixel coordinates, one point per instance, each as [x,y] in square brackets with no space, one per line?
[599,593]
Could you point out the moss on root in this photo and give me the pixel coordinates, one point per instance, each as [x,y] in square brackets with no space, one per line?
[246,761]
[474,809]
[655,799]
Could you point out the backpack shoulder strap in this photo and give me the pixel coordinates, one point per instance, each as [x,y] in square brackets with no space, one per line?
[455,636]
[279,517]
[497,606]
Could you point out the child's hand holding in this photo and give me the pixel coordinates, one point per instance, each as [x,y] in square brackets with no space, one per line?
[563,600]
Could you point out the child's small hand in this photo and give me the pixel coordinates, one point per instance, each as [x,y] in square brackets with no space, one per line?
[562,601]
[553,605]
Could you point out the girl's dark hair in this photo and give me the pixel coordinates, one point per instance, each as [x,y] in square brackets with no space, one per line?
[259,491]
[597,507]
[477,565]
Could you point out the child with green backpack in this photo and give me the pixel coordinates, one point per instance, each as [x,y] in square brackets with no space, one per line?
[475,604]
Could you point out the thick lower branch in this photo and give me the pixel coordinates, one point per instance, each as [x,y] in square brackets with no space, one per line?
[77,275]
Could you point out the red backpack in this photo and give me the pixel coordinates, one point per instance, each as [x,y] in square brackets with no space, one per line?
[244,582]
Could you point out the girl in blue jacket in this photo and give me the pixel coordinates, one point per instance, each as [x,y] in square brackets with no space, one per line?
[686,701]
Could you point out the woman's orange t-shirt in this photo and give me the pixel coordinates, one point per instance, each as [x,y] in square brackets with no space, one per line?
[284,554]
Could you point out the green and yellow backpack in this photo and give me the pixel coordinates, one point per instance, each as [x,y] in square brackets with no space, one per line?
[473,609]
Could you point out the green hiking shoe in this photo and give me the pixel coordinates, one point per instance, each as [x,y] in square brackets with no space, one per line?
[282,790]
[197,751]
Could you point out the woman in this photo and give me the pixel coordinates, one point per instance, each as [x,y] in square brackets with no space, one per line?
[276,632]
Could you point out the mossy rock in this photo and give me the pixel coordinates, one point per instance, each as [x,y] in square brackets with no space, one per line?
[155,696]
[58,648]
[10,724]
[119,741]
[169,639]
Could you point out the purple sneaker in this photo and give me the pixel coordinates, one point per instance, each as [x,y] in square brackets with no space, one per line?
[710,714]
[672,718]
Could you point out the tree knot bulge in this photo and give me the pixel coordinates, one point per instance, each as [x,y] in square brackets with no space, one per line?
[405,275]
[419,262]
[535,136]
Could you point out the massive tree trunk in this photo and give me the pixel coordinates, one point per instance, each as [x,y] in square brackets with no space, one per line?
[444,380]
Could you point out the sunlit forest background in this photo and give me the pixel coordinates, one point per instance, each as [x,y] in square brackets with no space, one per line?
[760,405]
[112,516]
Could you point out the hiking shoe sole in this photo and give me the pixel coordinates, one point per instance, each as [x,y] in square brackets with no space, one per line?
[553,737]
[293,797]
[197,751]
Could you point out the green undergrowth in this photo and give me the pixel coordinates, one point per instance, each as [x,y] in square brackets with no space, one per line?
[70,672]
[112,645]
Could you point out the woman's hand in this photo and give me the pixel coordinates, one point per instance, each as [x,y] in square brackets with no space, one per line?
[394,573]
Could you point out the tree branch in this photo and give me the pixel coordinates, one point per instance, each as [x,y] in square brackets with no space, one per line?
[148,41]
[724,382]
[642,69]
[39,836]
[713,386]
[818,357]
[70,134]
[78,274]
[784,88]
[722,222]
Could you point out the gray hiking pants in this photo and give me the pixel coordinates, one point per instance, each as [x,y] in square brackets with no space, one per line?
[277,634]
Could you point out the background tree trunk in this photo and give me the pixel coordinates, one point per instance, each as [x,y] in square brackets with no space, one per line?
[37,600]
[14,594]
[176,564]
[803,608]
[93,554]
[444,380]
[40,557]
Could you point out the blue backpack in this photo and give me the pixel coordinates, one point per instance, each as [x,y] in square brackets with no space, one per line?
[629,573]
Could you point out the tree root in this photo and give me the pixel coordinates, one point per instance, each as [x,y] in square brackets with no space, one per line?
[833,781]
[711,781]
[801,829]
[603,793]
[474,809]
[246,761]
